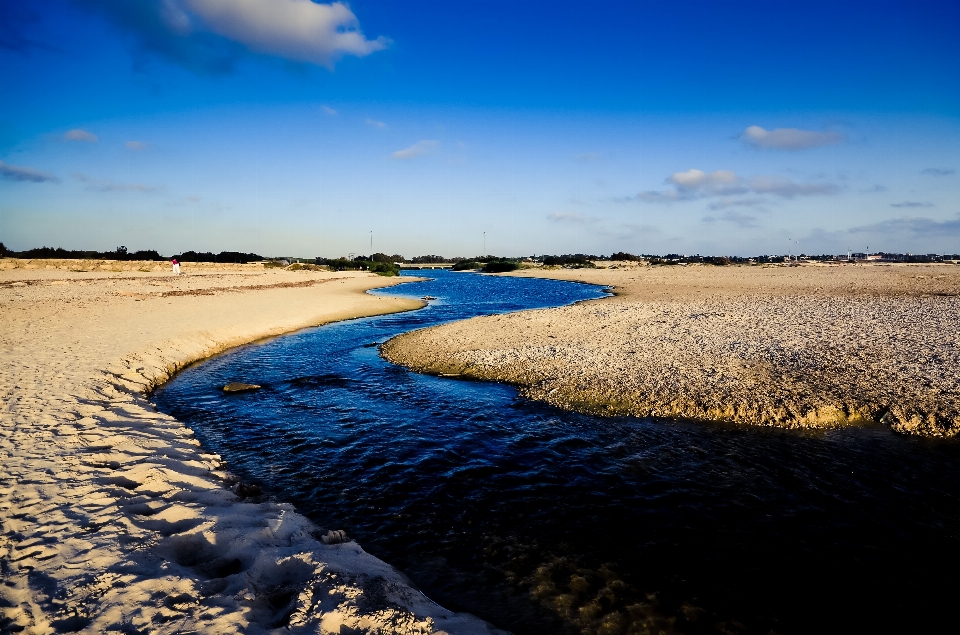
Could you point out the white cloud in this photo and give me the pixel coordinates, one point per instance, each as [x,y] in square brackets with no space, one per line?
[375,123]
[135,145]
[788,138]
[328,110]
[17,173]
[418,149]
[298,30]
[698,179]
[79,135]
[695,184]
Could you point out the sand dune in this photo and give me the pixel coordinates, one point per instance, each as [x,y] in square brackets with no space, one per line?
[113,517]
[805,346]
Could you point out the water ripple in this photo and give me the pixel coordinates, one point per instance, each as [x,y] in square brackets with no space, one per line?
[544,521]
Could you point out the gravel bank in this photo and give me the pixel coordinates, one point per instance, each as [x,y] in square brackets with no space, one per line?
[808,346]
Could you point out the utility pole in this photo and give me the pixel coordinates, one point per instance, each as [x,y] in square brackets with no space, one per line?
[371,243]
[484,244]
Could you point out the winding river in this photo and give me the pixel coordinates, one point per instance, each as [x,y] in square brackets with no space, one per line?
[545,521]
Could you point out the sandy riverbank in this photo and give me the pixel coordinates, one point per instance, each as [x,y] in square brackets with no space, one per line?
[112,517]
[804,346]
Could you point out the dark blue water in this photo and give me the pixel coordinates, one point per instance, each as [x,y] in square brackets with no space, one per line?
[544,521]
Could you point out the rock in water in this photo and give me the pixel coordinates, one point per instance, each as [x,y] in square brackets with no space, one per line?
[236,386]
[245,490]
[335,537]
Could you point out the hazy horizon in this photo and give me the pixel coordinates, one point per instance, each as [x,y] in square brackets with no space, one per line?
[293,127]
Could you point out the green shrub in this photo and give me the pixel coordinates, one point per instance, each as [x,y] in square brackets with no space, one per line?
[466,265]
[500,266]
[569,260]
[721,261]
[383,268]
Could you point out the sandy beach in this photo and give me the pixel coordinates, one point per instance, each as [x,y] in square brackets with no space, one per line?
[807,346]
[114,519]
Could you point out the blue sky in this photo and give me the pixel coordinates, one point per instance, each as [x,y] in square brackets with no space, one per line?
[293,127]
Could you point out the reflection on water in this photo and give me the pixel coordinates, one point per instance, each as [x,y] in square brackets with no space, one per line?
[543,521]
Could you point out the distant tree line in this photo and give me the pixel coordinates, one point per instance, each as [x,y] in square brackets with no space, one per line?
[122,253]
[223,256]
[384,264]
[569,260]
[377,263]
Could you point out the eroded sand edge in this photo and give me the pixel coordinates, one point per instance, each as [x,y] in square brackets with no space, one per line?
[113,517]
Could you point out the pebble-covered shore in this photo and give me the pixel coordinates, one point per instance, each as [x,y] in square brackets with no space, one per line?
[808,346]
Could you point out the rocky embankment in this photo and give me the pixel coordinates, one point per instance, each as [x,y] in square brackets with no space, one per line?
[791,347]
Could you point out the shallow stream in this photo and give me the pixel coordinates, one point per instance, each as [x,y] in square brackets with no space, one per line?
[545,521]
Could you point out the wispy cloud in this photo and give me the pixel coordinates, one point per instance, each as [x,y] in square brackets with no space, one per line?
[736,218]
[98,185]
[18,173]
[938,171]
[135,145]
[736,202]
[920,227]
[875,188]
[419,149]
[207,35]
[698,180]
[376,124]
[788,138]
[80,135]
[695,184]
[911,204]
[788,189]
[570,217]
[328,110]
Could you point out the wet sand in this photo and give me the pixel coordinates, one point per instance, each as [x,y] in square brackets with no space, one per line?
[113,517]
[793,346]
